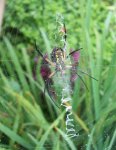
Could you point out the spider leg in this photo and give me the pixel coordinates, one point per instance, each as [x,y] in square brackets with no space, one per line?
[52,74]
[73,52]
[83,81]
[70,67]
[50,62]
[87,74]
[39,52]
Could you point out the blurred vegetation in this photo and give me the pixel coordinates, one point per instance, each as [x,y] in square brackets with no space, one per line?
[28,120]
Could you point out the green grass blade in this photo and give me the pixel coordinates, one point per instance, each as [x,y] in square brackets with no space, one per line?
[17,64]
[15,137]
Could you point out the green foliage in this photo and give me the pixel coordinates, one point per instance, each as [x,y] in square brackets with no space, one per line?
[27,119]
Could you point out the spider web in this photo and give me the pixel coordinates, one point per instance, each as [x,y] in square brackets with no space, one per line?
[13,76]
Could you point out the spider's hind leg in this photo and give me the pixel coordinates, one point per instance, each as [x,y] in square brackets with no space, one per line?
[87,74]
[83,81]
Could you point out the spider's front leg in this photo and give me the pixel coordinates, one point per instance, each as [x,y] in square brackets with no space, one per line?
[50,62]
[51,75]
[75,51]
[45,58]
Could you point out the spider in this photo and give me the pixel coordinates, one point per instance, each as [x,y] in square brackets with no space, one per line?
[58,62]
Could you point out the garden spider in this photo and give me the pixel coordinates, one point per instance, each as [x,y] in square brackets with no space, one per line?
[58,62]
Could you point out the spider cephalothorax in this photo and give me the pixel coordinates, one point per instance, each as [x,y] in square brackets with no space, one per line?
[58,57]
[57,53]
